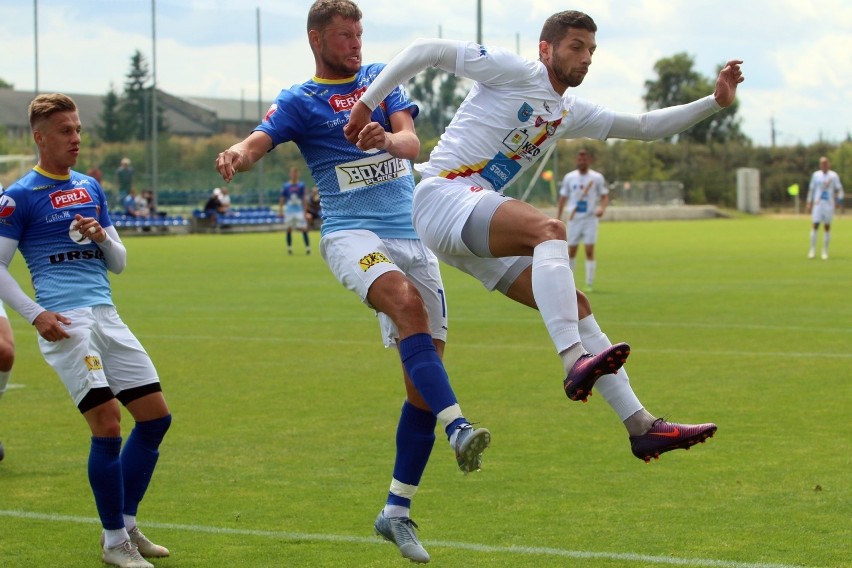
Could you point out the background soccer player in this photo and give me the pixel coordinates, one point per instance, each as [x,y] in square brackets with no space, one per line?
[59,220]
[585,192]
[515,110]
[824,194]
[292,207]
[368,241]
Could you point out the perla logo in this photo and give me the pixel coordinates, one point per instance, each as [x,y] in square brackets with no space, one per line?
[340,103]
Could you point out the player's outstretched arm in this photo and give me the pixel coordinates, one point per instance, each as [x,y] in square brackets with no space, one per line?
[241,156]
[730,76]
[420,55]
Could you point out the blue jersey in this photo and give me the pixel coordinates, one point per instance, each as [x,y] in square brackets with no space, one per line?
[67,269]
[294,197]
[358,190]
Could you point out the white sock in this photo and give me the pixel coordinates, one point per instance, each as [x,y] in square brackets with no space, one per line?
[555,294]
[590,272]
[813,239]
[572,263]
[113,538]
[614,388]
[825,239]
[130,522]
[448,415]
[396,511]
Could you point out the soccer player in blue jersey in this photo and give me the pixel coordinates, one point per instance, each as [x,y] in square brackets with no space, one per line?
[292,207]
[58,218]
[368,241]
[7,354]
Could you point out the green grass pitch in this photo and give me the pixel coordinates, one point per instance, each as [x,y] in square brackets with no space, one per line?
[285,406]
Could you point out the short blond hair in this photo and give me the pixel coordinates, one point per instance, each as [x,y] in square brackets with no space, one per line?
[45,106]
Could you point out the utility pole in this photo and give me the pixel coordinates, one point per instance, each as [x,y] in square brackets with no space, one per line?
[479,22]
[154,114]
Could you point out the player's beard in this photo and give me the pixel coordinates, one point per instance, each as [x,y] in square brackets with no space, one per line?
[340,67]
[572,77]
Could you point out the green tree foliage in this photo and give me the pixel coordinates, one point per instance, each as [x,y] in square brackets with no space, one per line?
[438,94]
[110,127]
[5,85]
[134,108]
[678,83]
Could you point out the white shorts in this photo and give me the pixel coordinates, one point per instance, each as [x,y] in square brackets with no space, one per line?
[583,230]
[357,258]
[3,311]
[101,352]
[822,213]
[295,221]
[441,209]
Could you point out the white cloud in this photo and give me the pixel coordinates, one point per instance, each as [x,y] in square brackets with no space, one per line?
[797,62]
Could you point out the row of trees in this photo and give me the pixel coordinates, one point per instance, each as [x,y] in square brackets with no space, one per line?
[704,158]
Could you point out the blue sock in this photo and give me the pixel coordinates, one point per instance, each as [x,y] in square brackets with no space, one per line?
[306,239]
[105,479]
[415,437]
[139,458]
[289,239]
[421,362]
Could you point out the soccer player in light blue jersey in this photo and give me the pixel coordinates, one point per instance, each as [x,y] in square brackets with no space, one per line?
[292,207]
[58,218]
[369,243]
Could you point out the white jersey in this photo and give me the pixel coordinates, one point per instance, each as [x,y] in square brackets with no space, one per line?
[509,118]
[584,191]
[825,189]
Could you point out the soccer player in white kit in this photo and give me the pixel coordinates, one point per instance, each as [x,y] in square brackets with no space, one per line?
[585,192]
[7,355]
[515,110]
[825,193]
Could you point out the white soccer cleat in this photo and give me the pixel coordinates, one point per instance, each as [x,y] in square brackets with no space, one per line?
[811,254]
[825,255]
[147,548]
[125,555]
[469,445]
[400,531]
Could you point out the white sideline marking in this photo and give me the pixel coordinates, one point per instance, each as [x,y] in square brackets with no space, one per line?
[517,550]
[492,346]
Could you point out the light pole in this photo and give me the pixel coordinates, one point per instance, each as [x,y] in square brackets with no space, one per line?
[154,114]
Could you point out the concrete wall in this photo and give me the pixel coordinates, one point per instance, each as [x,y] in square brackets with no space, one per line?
[656,213]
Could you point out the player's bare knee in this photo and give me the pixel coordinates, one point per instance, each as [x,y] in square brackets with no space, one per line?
[553,229]
[7,357]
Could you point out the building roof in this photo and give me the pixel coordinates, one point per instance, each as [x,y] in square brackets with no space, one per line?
[189,116]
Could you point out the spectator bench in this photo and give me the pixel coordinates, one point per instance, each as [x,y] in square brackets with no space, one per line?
[160,224]
[236,220]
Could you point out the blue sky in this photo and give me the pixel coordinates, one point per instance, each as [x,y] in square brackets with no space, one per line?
[798,53]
